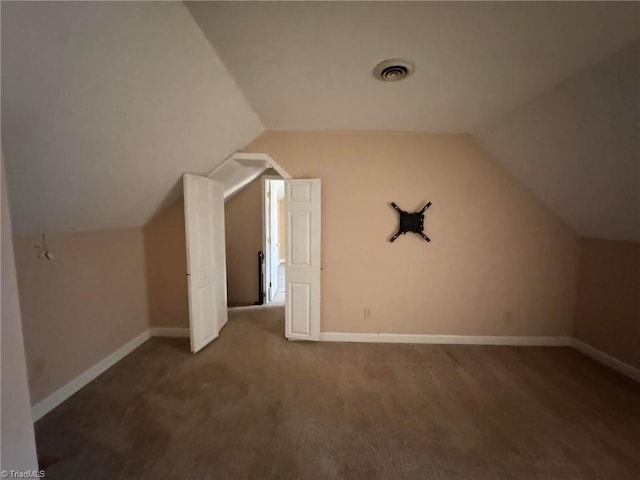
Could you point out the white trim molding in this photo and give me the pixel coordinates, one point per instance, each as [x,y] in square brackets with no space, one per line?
[584,348]
[254,164]
[171,332]
[63,393]
[444,339]
[56,398]
[606,359]
[251,158]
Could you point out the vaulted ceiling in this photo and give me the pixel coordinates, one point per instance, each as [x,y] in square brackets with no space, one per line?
[308,65]
[105,104]
[577,147]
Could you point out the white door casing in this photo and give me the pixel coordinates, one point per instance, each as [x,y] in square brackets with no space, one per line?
[302,259]
[274,257]
[270,236]
[266,223]
[206,262]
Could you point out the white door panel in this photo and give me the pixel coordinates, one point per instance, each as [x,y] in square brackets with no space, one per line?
[302,259]
[206,262]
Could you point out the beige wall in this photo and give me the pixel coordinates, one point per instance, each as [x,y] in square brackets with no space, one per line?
[82,306]
[608,308]
[166,260]
[499,262]
[165,250]
[18,451]
[243,233]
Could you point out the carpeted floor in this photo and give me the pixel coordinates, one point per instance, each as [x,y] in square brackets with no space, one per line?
[255,406]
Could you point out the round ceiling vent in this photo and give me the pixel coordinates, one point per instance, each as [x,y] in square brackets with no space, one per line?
[393,70]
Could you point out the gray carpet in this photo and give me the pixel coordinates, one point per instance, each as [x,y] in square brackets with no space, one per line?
[255,406]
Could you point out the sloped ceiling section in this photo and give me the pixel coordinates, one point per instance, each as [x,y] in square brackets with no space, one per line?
[307,65]
[577,147]
[104,105]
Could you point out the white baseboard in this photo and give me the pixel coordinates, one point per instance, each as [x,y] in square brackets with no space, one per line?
[606,359]
[598,355]
[176,332]
[443,339]
[56,398]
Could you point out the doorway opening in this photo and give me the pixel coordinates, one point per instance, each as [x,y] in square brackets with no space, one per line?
[252,255]
[273,240]
[208,258]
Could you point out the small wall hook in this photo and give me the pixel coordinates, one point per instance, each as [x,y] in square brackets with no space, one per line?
[43,252]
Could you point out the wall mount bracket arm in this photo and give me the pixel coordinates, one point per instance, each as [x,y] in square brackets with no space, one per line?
[410,222]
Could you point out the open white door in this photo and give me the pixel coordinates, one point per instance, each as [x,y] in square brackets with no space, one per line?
[302,259]
[206,262]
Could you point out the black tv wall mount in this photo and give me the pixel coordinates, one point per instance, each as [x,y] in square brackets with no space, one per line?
[410,222]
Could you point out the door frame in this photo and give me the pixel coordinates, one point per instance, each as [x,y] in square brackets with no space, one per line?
[265,246]
[255,164]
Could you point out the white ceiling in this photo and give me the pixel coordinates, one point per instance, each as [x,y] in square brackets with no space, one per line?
[307,65]
[577,147]
[104,105]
